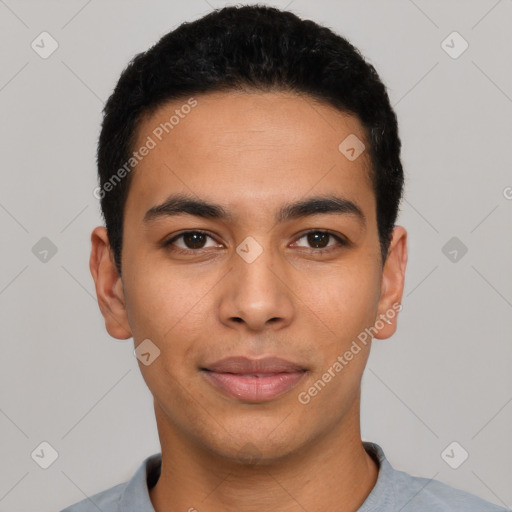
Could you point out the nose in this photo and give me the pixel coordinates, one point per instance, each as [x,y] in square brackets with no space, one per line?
[257,295]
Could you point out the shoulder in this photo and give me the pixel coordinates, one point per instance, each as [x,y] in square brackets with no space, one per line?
[128,496]
[418,493]
[398,490]
[106,501]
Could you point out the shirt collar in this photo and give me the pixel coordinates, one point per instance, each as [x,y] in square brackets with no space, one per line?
[136,493]
[381,497]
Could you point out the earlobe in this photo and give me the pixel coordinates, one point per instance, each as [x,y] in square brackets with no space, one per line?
[108,284]
[392,286]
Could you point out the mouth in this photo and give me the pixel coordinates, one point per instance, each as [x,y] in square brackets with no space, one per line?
[254,380]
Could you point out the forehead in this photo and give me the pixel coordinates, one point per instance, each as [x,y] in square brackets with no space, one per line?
[249,150]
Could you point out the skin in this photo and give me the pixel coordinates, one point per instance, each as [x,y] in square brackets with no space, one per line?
[252,153]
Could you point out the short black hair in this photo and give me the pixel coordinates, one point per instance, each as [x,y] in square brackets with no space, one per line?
[241,48]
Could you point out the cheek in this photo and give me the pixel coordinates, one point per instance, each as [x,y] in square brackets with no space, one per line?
[346,301]
[161,304]
[171,313]
[347,309]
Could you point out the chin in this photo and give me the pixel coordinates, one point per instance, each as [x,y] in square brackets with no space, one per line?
[250,448]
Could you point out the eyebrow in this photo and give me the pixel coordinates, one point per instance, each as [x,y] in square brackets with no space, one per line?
[180,204]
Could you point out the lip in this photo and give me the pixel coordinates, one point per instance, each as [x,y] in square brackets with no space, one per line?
[254,380]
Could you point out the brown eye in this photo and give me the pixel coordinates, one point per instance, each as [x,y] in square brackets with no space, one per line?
[320,240]
[194,240]
[191,240]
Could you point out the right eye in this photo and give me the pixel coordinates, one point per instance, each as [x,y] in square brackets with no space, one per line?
[192,240]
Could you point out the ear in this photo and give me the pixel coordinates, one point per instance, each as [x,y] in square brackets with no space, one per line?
[109,287]
[392,285]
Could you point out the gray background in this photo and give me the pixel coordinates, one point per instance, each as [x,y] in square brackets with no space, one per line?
[445,376]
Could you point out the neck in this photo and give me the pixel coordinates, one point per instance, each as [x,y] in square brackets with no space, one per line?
[332,473]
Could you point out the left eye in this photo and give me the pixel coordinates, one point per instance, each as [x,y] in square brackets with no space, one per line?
[320,239]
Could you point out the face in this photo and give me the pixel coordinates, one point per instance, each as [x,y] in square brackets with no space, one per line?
[249,301]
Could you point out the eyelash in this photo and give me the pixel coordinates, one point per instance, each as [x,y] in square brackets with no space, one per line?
[341,241]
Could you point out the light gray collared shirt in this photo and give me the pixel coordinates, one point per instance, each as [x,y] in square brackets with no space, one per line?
[394,491]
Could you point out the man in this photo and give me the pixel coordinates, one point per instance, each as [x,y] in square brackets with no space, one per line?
[250,179]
